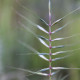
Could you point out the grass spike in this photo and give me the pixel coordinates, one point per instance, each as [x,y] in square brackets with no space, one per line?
[50,47]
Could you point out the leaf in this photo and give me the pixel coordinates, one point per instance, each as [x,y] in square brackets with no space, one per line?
[45,69]
[43,42]
[57,21]
[65,16]
[44,21]
[60,28]
[43,57]
[25,70]
[43,38]
[60,46]
[67,45]
[43,53]
[60,58]
[42,29]
[56,68]
[56,39]
[60,52]
[42,74]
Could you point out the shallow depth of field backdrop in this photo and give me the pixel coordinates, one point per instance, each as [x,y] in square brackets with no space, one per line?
[12,53]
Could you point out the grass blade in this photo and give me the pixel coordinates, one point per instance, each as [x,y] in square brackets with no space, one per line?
[43,38]
[45,69]
[42,29]
[44,22]
[59,52]
[56,68]
[60,46]
[43,42]
[57,39]
[65,16]
[43,57]
[60,58]
[60,28]
[43,53]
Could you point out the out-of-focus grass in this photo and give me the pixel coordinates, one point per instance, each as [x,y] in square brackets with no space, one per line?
[7,34]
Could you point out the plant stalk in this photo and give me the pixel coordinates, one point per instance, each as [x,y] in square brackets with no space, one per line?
[50,46]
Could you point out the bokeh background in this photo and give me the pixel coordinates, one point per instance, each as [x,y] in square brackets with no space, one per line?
[14,13]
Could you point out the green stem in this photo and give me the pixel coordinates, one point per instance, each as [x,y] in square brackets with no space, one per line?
[50,46]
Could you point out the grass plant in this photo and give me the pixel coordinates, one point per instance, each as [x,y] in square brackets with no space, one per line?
[51,70]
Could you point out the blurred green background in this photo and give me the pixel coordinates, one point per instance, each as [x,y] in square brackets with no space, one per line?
[13,13]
